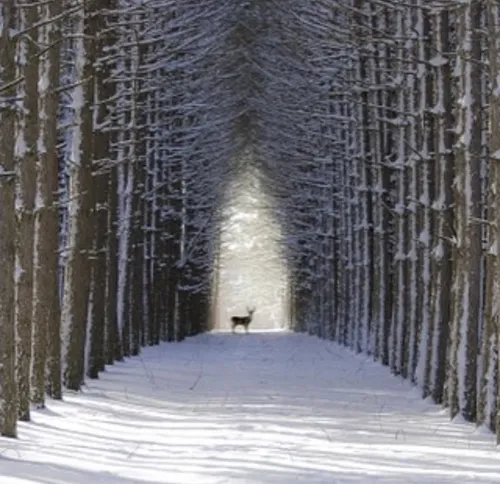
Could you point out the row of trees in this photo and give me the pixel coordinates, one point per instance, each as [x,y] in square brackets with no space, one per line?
[112,173]
[389,115]
[374,130]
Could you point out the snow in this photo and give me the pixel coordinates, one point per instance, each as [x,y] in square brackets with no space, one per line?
[271,407]
[438,60]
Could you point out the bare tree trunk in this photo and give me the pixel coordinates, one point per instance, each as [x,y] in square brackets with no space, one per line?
[77,270]
[400,317]
[97,328]
[377,150]
[422,236]
[126,176]
[488,386]
[494,386]
[26,155]
[46,352]
[161,284]
[421,143]
[114,349]
[149,222]
[156,293]
[137,262]
[361,16]
[104,92]
[8,387]
[435,365]
[467,263]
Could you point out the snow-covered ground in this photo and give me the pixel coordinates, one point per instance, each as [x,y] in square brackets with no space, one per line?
[258,408]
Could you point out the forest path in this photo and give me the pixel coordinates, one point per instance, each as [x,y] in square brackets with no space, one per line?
[258,408]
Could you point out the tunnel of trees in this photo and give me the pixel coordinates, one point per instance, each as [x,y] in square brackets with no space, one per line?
[370,125]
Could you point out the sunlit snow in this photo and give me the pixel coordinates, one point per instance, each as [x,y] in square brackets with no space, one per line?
[271,407]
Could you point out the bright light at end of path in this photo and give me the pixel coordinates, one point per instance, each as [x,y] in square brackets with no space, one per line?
[252,272]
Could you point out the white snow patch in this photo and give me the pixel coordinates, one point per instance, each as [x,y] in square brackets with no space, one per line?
[438,60]
[262,408]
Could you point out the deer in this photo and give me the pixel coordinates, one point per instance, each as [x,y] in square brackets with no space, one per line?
[242,320]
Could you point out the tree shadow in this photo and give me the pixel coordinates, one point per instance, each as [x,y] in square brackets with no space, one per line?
[270,408]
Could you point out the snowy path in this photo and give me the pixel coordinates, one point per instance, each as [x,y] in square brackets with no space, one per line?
[263,408]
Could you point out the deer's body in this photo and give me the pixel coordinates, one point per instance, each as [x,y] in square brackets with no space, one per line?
[242,320]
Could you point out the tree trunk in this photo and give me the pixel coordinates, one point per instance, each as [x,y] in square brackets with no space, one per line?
[46,357]
[100,180]
[436,364]
[467,262]
[400,316]
[8,387]
[77,270]
[104,92]
[26,161]
[114,350]
[488,387]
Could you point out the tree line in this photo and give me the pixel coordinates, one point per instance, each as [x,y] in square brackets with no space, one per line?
[112,173]
[394,248]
